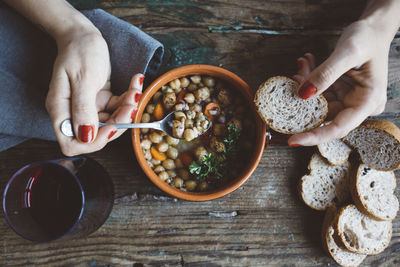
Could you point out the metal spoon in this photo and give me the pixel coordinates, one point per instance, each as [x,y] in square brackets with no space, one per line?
[164,125]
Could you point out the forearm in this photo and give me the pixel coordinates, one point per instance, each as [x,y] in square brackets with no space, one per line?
[384,15]
[57,17]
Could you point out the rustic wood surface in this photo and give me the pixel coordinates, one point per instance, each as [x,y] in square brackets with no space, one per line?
[262,223]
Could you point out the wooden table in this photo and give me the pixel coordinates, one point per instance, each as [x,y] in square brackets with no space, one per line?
[262,223]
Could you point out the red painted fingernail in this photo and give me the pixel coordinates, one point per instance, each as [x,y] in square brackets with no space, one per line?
[86,133]
[294,145]
[112,134]
[138,96]
[141,79]
[307,90]
[133,114]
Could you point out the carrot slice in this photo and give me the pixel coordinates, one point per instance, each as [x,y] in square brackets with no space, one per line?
[181,95]
[157,155]
[212,109]
[158,112]
[186,158]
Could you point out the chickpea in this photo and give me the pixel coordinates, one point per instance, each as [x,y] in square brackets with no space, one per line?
[155,162]
[196,108]
[150,164]
[144,130]
[188,123]
[209,81]
[195,79]
[204,124]
[190,185]
[200,152]
[150,108]
[216,145]
[147,154]
[167,89]
[177,128]
[192,87]
[189,134]
[168,164]
[202,94]
[172,141]
[179,115]
[178,163]
[189,98]
[155,137]
[191,114]
[172,152]
[175,84]
[146,144]
[181,107]
[169,100]
[156,96]
[171,173]
[162,133]
[158,169]
[178,182]
[223,97]
[237,123]
[162,147]
[203,186]
[184,174]
[163,176]
[145,117]
[184,82]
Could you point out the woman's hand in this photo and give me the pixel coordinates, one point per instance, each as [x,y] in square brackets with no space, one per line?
[353,80]
[80,90]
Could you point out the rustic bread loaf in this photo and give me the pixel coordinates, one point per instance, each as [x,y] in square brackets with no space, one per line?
[284,111]
[325,185]
[373,193]
[336,152]
[338,254]
[361,234]
[378,143]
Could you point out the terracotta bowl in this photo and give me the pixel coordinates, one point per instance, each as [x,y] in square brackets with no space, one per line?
[259,142]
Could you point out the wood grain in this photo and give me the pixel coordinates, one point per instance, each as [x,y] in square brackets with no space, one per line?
[263,222]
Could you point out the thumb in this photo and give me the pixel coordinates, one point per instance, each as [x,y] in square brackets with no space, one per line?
[84,111]
[325,74]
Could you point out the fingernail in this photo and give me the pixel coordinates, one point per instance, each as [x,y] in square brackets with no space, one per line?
[112,134]
[133,113]
[85,133]
[307,90]
[138,96]
[141,79]
[294,145]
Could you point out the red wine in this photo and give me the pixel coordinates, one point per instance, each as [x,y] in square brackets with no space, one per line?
[53,198]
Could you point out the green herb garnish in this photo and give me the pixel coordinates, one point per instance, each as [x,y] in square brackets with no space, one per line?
[231,139]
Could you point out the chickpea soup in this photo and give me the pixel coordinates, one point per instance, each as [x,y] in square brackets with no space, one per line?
[198,157]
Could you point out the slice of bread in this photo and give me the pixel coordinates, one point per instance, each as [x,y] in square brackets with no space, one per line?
[373,193]
[361,234]
[284,111]
[378,143]
[338,254]
[325,185]
[336,152]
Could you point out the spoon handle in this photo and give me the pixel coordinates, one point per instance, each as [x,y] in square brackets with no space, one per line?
[153,125]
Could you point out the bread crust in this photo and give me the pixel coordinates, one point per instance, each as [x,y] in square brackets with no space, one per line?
[358,200]
[385,126]
[343,238]
[266,119]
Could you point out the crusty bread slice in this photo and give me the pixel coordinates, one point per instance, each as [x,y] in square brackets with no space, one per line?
[338,254]
[325,185]
[373,193]
[284,111]
[336,152]
[361,234]
[378,143]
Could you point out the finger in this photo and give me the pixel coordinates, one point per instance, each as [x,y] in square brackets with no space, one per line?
[334,107]
[311,60]
[104,116]
[325,74]
[330,96]
[303,67]
[343,123]
[121,115]
[298,78]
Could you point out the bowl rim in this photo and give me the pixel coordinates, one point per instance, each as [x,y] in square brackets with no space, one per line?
[233,80]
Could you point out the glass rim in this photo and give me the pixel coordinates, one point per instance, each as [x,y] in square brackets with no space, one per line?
[18,172]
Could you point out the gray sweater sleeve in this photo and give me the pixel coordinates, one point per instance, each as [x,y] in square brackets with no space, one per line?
[27,55]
